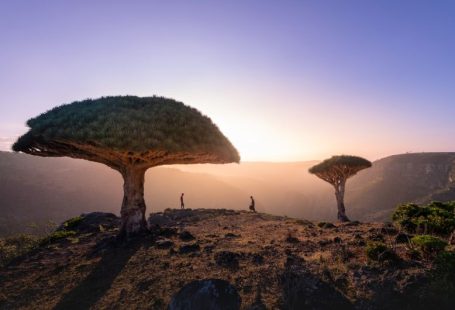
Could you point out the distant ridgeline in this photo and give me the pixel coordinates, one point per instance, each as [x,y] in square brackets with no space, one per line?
[36,190]
[419,178]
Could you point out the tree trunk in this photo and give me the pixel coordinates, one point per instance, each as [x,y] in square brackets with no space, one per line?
[339,194]
[133,206]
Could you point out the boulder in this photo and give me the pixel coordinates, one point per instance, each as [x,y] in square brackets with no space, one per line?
[91,222]
[208,294]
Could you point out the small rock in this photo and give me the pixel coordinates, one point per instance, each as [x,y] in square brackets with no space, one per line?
[186,236]
[167,232]
[326,225]
[189,248]
[353,223]
[324,242]
[358,237]
[213,294]
[292,239]
[227,259]
[231,235]
[337,240]
[257,259]
[164,243]
[209,248]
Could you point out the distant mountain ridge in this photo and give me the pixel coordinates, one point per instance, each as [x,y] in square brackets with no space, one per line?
[415,177]
[35,190]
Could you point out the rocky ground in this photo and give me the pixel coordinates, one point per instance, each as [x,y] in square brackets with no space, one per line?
[269,262]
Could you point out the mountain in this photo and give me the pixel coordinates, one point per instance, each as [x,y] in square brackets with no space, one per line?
[208,257]
[419,178]
[36,190]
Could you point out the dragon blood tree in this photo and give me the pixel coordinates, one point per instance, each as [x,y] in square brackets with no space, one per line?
[336,170]
[129,134]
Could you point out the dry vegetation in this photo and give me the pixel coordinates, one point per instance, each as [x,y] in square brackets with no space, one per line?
[272,261]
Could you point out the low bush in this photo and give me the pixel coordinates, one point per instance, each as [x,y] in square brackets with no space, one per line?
[429,244]
[57,235]
[379,251]
[434,218]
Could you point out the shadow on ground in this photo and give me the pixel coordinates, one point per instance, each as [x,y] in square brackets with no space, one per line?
[94,286]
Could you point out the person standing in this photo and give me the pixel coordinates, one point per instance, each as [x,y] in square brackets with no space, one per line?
[182,203]
[252,204]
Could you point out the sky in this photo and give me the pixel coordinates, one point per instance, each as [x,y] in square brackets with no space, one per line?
[284,80]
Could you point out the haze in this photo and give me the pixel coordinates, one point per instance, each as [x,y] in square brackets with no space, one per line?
[285,81]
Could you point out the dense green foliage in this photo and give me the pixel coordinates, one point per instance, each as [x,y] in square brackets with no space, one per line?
[344,161]
[130,124]
[379,251]
[429,244]
[434,218]
[15,246]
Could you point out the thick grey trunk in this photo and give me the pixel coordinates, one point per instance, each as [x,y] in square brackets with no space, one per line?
[133,206]
[339,194]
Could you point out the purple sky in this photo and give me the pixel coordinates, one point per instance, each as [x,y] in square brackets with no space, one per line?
[284,80]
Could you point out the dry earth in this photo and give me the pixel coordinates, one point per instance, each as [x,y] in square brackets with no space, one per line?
[273,262]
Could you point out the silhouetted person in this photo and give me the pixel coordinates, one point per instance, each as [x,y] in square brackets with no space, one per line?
[182,204]
[252,205]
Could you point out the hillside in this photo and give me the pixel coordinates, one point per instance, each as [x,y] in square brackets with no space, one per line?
[36,190]
[270,262]
[419,178]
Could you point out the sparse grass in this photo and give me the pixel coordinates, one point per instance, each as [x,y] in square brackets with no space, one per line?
[255,258]
[12,247]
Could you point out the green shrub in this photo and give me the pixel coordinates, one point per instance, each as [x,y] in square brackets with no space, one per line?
[379,251]
[57,235]
[73,222]
[434,218]
[429,244]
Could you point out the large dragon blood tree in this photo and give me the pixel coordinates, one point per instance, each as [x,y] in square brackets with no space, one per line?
[336,171]
[129,134]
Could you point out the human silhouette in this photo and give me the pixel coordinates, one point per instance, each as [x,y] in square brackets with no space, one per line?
[182,204]
[252,205]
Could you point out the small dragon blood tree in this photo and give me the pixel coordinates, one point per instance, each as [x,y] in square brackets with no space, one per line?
[129,134]
[336,170]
